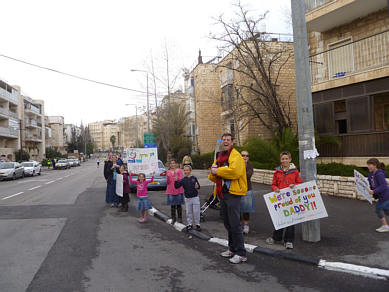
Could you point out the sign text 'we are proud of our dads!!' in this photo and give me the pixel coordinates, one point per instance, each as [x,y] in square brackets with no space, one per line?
[295,205]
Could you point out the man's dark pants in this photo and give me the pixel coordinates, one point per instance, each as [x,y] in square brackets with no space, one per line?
[230,210]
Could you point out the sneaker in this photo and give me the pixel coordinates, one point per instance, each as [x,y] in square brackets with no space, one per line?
[237,259]
[227,254]
[270,241]
[246,229]
[383,228]
[189,227]
[288,245]
[198,228]
[141,220]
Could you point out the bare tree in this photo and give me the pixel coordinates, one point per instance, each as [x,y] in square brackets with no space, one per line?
[258,61]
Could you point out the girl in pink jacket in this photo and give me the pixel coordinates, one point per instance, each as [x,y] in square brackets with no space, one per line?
[141,191]
[175,197]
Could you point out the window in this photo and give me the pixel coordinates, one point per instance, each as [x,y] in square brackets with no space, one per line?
[340,58]
[324,118]
[358,109]
[341,126]
[381,112]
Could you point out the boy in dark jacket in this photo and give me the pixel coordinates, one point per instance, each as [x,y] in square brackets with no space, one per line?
[286,175]
[192,201]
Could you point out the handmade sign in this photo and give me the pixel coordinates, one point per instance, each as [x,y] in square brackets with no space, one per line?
[119,185]
[292,206]
[362,185]
[143,160]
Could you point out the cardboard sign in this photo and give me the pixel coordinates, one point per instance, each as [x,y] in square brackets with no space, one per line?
[142,160]
[362,185]
[119,185]
[292,206]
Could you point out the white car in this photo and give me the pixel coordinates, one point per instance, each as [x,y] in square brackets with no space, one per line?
[32,168]
[11,170]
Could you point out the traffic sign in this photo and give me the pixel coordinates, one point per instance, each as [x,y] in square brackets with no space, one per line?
[149,138]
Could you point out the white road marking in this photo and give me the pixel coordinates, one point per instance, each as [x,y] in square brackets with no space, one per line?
[59,178]
[49,182]
[34,188]
[14,195]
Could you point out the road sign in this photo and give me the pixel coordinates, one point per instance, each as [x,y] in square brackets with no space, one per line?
[149,138]
[151,146]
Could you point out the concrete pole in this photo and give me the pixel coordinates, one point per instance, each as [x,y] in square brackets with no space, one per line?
[148,107]
[136,124]
[311,229]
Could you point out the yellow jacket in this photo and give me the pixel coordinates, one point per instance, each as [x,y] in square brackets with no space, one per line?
[236,172]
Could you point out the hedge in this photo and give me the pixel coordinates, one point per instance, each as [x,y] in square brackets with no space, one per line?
[203,161]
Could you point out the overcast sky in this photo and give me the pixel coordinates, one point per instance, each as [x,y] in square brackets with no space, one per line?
[103,40]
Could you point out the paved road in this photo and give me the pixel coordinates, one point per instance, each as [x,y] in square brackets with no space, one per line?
[61,236]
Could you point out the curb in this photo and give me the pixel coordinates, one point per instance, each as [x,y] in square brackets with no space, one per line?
[358,270]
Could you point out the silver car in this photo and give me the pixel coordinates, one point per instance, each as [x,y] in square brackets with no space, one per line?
[159,181]
[62,164]
[32,168]
[11,170]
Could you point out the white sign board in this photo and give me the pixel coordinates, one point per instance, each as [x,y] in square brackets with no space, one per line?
[292,206]
[142,160]
[119,185]
[362,185]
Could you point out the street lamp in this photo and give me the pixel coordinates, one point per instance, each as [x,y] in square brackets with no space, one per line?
[147,94]
[136,122]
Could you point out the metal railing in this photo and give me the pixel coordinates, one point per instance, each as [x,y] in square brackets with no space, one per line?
[313,4]
[31,123]
[361,55]
[8,113]
[9,132]
[12,97]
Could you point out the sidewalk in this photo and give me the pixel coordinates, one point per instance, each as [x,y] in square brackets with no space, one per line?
[347,235]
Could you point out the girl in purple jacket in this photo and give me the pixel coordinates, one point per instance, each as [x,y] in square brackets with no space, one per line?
[126,190]
[379,190]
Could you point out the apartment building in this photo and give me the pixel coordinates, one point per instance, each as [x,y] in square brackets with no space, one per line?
[57,137]
[349,59]
[203,92]
[129,130]
[96,131]
[68,132]
[31,114]
[9,121]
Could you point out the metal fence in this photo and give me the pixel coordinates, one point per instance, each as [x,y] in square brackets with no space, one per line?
[313,4]
[349,57]
[9,132]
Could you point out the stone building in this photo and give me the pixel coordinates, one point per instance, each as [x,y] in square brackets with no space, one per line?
[202,88]
[57,138]
[128,130]
[349,58]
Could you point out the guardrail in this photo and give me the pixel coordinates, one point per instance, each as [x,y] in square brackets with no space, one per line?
[358,56]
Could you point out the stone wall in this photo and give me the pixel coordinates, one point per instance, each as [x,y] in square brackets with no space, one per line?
[338,186]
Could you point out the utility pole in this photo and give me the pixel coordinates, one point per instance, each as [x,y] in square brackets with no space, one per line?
[136,124]
[311,229]
[148,106]
[21,141]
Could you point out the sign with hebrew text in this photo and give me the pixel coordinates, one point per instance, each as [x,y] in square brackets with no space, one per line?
[142,160]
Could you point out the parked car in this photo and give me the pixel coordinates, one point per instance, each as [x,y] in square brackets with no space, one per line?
[11,170]
[72,162]
[32,168]
[62,164]
[159,179]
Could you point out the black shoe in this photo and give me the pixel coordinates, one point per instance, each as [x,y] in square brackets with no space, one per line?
[189,227]
[198,228]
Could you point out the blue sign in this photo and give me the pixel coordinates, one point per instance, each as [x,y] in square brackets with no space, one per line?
[151,146]
[219,140]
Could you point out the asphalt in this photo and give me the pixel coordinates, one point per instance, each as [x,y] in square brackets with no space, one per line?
[65,238]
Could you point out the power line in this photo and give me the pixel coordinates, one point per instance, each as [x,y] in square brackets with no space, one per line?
[71,75]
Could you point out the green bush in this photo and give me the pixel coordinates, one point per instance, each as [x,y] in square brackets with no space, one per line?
[22,155]
[339,169]
[202,161]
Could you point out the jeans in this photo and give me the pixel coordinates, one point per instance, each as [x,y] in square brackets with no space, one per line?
[289,234]
[230,210]
[192,206]
[110,195]
[382,209]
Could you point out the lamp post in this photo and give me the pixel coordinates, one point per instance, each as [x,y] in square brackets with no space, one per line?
[147,94]
[136,123]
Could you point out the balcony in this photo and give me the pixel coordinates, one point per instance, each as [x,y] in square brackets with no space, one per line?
[348,59]
[30,108]
[33,137]
[227,106]
[9,132]
[11,97]
[7,113]
[227,77]
[30,123]
[323,15]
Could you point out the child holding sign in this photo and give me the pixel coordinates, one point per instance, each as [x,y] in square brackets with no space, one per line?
[379,190]
[286,175]
[141,191]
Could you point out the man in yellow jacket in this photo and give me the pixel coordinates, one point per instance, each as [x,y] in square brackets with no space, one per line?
[229,173]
